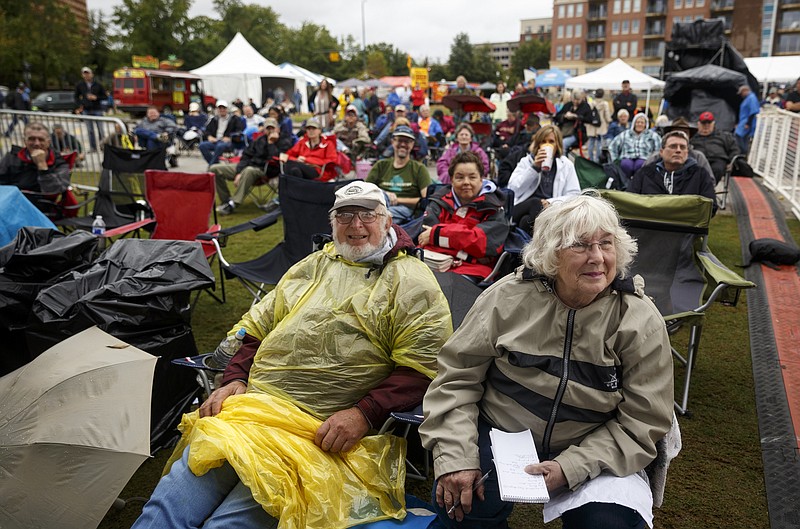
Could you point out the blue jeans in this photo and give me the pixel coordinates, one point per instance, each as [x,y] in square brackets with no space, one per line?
[744,144]
[214,500]
[91,125]
[212,151]
[595,147]
[569,141]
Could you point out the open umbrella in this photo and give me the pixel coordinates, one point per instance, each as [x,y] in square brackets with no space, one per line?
[376,83]
[74,427]
[468,103]
[528,103]
[350,83]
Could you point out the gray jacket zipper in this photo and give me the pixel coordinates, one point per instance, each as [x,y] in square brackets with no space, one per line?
[562,385]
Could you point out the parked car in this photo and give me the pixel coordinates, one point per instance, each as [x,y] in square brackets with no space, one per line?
[54,102]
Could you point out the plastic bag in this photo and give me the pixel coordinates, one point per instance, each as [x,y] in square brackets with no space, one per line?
[270,444]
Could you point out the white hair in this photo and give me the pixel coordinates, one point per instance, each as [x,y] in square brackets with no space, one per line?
[563,224]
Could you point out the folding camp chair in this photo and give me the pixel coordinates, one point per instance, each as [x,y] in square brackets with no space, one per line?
[120,197]
[183,205]
[590,174]
[681,273]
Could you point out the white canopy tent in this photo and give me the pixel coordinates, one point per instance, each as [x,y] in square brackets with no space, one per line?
[782,70]
[610,77]
[241,71]
[313,79]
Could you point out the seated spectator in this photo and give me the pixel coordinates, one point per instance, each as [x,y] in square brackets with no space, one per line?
[386,147]
[534,188]
[386,132]
[65,143]
[119,138]
[430,127]
[403,180]
[572,118]
[447,123]
[349,335]
[530,128]
[467,219]
[195,120]
[352,133]
[252,122]
[632,147]
[615,128]
[675,174]
[506,130]
[253,166]
[154,131]
[717,146]
[382,120]
[684,126]
[792,100]
[314,157]
[464,142]
[285,123]
[167,113]
[35,167]
[223,133]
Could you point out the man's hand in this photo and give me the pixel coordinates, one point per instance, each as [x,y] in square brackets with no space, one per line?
[226,139]
[553,474]
[39,157]
[283,157]
[273,137]
[91,97]
[425,237]
[342,430]
[212,139]
[457,486]
[237,179]
[301,159]
[392,198]
[213,403]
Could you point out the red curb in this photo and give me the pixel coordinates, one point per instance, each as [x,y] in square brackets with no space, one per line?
[781,287]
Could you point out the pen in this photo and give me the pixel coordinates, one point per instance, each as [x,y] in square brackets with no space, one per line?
[474,488]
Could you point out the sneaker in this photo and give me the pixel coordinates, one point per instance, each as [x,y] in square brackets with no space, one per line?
[226,209]
[272,205]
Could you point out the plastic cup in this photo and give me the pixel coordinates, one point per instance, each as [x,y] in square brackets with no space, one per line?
[548,160]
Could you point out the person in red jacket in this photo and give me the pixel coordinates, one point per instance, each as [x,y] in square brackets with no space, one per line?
[417,98]
[466,220]
[314,157]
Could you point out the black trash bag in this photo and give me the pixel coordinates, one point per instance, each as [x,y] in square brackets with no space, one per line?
[34,260]
[138,291]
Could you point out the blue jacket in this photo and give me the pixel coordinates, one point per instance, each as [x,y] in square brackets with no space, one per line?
[393,99]
[747,116]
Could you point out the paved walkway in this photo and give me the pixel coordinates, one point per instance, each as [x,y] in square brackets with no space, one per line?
[774,317]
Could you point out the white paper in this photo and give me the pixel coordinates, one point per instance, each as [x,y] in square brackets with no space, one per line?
[512,452]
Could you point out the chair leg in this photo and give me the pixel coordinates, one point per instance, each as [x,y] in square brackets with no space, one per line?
[688,363]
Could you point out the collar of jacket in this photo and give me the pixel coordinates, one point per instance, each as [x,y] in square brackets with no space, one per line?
[25,156]
[619,284]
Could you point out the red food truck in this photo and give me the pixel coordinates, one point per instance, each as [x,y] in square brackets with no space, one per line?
[135,89]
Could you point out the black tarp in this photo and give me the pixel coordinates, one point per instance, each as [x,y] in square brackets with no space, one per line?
[705,88]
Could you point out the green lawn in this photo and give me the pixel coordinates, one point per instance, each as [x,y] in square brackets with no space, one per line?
[717,480]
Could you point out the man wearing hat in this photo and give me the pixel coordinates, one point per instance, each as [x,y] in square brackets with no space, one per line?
[690,130]
[314,157]
[405,181]
[223,133]
[748,110]
[349,335]
[718,146]
[352,132]
[252,167]
[89,95]
[792,101]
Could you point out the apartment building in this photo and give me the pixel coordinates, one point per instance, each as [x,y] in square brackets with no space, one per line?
[501,52]
[80,9]
[589,34]
[535,29]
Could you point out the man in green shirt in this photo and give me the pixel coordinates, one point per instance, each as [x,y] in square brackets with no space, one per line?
[403,180]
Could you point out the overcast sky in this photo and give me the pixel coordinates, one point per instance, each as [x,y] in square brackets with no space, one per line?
[420,27]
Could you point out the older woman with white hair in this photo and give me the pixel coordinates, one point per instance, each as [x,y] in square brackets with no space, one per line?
[570,348]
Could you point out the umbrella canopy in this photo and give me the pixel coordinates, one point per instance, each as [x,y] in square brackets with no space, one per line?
[531,103]
[376,83]
[552,77]
[74,427]
[468,103]
[350,83]
[487,85]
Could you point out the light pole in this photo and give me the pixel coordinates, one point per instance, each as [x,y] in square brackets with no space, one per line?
[364,35]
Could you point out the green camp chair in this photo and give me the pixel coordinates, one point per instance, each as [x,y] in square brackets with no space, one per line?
[590,174]
[681,274]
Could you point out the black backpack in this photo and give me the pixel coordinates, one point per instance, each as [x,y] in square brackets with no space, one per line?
[596,121]
[772,252]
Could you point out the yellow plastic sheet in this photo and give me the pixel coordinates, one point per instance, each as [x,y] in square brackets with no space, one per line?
[270,444]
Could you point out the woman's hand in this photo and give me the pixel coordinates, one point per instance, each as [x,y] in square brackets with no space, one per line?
[553,474]
[458,486]
[213,403]
[425,237]
[541,154]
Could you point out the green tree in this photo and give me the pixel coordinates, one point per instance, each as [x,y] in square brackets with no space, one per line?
[436,71]
[152,27]
[310,46]
[100,56]
[532,54]
[462,59]
[376,64]
[204,43]
[485,67]
[260,25]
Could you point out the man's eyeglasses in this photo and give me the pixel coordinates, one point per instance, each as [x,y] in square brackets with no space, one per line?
[366,217]
[605,246]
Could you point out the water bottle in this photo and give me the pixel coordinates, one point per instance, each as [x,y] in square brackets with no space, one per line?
[225,350]
[98,226]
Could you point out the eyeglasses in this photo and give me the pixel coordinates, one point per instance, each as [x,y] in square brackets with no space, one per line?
[366,217]
[605,246]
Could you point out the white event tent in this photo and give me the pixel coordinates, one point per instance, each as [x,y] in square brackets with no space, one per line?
[782,69]
[241,71]
[313,79]
[610,77]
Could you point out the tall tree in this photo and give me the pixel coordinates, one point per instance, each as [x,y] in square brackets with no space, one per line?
[532,54]
[376,64]
[260,25]
[462,60]
[204,43]
[100,55]
[152,27]
[485,67]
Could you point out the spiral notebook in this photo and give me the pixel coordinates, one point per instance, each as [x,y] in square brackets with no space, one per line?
[512,452]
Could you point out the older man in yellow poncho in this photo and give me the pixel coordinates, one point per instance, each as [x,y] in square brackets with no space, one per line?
[349,334]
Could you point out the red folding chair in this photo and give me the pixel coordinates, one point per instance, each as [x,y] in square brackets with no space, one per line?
[183,205]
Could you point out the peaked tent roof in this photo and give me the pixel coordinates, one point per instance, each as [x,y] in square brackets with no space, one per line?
[240,57]
[311,77]
[780,69]
[610,76]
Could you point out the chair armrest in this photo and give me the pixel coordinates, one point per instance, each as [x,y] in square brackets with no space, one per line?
[723,278]
[128,228]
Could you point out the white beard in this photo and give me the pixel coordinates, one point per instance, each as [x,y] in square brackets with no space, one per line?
[356,253]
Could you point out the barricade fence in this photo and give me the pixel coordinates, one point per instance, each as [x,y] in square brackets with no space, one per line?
[83,133]
[773,153]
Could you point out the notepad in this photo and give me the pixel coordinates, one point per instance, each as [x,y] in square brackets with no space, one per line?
[512,452]
[438,262]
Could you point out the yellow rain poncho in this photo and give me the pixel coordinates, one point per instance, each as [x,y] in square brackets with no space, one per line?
[331,331]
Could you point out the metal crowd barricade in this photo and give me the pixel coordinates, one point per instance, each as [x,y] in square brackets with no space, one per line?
[87,170]
[774,155]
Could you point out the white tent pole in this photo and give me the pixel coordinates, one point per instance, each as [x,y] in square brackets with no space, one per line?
[647,104]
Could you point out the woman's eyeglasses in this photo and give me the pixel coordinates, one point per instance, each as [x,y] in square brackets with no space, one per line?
[605,246]
[366,217]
